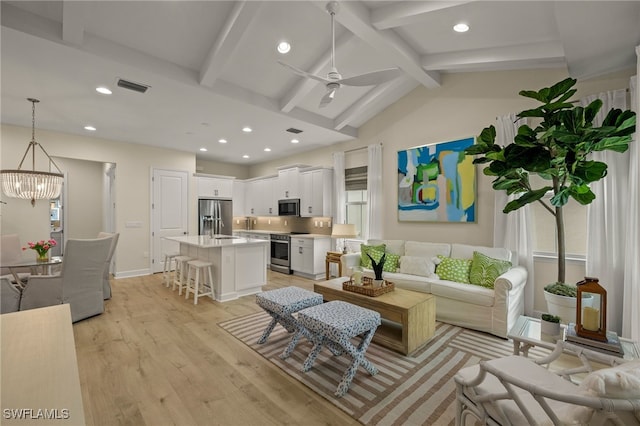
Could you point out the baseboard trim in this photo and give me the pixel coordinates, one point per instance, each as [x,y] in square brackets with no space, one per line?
[133,273]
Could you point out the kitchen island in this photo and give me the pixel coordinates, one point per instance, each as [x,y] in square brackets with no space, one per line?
[239,266]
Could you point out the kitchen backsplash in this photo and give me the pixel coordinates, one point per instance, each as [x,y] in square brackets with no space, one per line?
[310,225]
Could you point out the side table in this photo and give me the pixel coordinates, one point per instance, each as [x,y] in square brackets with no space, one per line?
[526,334]
[333,257]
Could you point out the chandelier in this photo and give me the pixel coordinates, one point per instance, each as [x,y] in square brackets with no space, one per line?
[31,184]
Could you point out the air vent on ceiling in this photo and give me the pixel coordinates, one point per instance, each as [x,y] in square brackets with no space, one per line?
[292,130]
[136,87]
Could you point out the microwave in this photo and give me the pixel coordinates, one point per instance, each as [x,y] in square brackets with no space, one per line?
[289,207]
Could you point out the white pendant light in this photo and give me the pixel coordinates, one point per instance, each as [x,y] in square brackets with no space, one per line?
[31,184]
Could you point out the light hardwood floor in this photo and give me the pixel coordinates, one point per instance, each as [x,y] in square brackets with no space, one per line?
[153,358]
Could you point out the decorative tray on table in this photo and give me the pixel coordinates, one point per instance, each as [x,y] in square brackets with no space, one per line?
[367,287]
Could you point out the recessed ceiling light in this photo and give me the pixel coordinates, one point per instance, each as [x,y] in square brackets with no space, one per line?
[203,149]
[267,150]
[90,128]
[461,28]
[103,90]
[247,129]
[222,140]
[294,141]
[245,156]
[284,47]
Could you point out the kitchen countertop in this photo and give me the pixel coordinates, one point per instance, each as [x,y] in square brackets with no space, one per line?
[204,241]
[260,231]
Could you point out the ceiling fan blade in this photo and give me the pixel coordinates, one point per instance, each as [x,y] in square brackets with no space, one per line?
[372,78]
[328,97]
[301,73]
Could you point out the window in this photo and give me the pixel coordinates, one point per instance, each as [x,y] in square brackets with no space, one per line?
[357,209]
[575,229]
[356,197]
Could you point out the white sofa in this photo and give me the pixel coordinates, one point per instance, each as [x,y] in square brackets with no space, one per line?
[492,310]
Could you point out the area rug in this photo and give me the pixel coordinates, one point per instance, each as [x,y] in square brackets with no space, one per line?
[408,390]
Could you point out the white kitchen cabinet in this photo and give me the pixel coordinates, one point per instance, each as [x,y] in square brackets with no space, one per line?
[270,200]
[317,193]
[258,236]
[214,187]
[308,255]
[288,184]
[238,198]
[260,197]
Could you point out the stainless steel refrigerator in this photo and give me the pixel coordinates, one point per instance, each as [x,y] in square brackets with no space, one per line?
[215,217]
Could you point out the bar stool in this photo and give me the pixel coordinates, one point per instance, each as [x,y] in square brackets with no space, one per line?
[166,272]
[194,284]
[180,274]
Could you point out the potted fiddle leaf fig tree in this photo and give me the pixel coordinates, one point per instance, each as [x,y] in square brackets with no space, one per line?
[557,149]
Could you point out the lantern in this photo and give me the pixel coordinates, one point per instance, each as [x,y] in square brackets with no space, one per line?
[591,314]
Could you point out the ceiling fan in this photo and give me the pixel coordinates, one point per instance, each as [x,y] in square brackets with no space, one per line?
[333,81]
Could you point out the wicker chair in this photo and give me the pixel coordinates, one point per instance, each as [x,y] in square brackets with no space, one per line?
[515,390]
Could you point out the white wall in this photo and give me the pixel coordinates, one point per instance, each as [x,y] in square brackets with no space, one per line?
[224,169]
[132,188]
[84,206]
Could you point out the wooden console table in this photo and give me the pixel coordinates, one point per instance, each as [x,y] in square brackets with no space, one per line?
[40,381]
[333,257]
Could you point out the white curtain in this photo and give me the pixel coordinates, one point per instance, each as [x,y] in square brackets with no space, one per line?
[339,212]
[607,216]
[513,230]
[631,303]
[374,192]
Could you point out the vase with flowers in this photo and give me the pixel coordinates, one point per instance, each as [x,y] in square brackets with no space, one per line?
[42,248]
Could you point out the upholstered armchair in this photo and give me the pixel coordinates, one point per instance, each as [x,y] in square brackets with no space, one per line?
[80,282]
[106,285]
[9,296]
[515,390]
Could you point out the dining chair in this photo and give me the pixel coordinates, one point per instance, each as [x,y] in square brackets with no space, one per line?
[10,253]
[106,284]
[80,282]
[9,296]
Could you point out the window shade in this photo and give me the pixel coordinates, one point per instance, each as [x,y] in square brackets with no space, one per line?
[355,178]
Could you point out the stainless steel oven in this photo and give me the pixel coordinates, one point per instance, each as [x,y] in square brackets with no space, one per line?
[281,253]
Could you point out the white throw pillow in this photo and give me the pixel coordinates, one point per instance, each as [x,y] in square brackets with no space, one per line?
[426,250]
[619,382]
[391,246]
[414,265]
[622,381]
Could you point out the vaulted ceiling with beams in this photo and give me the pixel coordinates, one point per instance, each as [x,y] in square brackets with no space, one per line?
[212,66]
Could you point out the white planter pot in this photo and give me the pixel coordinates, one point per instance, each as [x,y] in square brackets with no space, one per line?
[563,306]
[550,328]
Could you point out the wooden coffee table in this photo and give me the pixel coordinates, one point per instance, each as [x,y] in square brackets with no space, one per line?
[409,317]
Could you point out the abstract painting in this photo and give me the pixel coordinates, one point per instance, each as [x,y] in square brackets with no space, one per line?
[437,183]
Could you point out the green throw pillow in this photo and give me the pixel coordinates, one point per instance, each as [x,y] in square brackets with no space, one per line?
[365,262]
[456,270]
[390,260]
[485,269]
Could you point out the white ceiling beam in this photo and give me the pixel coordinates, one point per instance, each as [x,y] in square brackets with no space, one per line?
[304,86]
[240,94]
[355,17]
[373,101]
[548,52]
[402,13]
[235,27]
[73,14]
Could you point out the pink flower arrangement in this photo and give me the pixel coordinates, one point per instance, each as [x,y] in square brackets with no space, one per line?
[41,247]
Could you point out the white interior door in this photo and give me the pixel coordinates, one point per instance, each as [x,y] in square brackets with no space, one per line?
[170,212]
